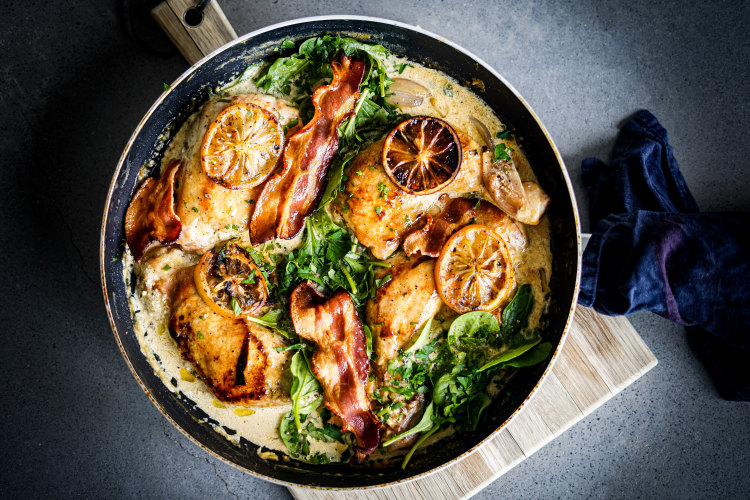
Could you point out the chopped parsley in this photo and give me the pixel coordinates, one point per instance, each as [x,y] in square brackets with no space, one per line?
[382,190]
[403,66]
[166,267]
[236,307]
[378,209]
[502,152]
[504,133]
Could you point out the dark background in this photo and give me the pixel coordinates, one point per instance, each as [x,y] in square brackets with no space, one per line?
[75,85]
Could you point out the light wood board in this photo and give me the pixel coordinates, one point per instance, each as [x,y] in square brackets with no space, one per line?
[601,356]
[194,42]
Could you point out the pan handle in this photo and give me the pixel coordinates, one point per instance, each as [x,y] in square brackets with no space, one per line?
[196,28]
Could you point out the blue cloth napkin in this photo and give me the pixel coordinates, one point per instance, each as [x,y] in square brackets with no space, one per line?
[653,250]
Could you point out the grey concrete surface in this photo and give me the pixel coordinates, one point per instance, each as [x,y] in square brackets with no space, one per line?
[73,88]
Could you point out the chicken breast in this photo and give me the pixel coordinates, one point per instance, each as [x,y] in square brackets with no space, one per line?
[236,358]
[380,214]
[402,305]
[208,211]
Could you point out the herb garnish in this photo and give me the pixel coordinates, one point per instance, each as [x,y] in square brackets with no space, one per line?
[502,152]
[456,370]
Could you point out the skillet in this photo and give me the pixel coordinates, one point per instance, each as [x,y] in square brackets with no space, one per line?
[147,145]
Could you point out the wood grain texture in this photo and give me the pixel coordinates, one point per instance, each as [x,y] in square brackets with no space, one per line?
[601,356]
[194,42]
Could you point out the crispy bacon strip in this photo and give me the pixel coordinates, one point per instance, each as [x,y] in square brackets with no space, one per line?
[291,195]
[340,363]
[429,240]
[150,216]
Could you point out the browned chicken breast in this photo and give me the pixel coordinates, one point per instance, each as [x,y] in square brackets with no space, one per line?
[401,306]
[236,358]
[208,211]
[380,214]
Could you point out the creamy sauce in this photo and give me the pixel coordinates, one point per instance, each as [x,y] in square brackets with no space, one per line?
[453,103]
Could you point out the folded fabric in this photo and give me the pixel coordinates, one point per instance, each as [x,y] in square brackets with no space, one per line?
[653,250]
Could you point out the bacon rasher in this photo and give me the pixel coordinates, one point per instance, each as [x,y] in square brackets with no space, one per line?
[429,240]
[340,363]
[150,216]
[292,194]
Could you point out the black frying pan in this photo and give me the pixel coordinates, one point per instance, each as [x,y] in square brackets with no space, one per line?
[192,89]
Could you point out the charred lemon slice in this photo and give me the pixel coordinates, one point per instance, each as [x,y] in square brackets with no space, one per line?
[241,147]
[473,271]
[422,155]
[230,282]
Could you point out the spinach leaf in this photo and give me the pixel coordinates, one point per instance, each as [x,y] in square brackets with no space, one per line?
[510,354]
[307,394]
[532,357]
[424,425]
[335,176]
[516,314]
[475,407]
[275,319]
[473,330]
[332,258]
[244,76]
[417,445]
[280,72]
[368,340]
[419,337]
[295,441]
[502,152]
[441,389]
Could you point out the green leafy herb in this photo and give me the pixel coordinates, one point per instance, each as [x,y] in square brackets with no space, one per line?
[368,340]
[424,425]
[306,393]
[200,335]
[277,320]
[166,267]
[504,133]
[235,307]
[403,66]
[420,337]
[293,347]
[502,152]
[532,357]
[508,355]
[165,86]
[382,190]
[516,314]
[243,76]
[335,177]
[419,442]
[378,209]
[473,329]
[249,280]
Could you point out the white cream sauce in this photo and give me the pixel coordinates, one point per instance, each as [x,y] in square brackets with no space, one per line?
[453,103]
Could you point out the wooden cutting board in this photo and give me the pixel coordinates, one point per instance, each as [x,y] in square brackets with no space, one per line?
[601,356]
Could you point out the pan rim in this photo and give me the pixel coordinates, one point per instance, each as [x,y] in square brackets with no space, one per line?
[376,20]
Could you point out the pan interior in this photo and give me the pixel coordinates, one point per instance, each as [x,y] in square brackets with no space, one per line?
[193,89]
